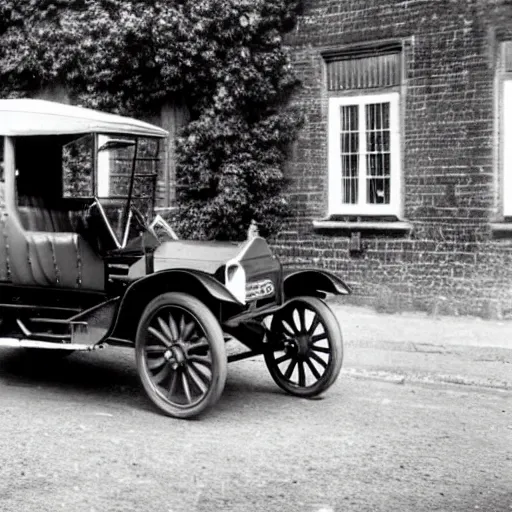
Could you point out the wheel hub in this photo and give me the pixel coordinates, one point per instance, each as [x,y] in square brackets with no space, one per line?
[176,353]
[299,345]
[303,344]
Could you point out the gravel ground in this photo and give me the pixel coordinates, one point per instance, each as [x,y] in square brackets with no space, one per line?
[80,435]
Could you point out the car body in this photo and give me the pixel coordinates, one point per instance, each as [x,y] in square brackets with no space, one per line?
[85,264]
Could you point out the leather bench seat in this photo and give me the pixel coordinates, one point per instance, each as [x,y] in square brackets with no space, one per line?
[35,215]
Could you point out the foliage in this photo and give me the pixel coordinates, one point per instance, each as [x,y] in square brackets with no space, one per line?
[224,59]
[77,167]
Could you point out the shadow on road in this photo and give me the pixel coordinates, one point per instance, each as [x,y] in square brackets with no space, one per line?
[111,376]
[100,374]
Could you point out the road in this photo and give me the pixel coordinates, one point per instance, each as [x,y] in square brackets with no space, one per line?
[79,435]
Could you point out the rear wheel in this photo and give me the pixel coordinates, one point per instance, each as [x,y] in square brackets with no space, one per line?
[180,354]
[306,347]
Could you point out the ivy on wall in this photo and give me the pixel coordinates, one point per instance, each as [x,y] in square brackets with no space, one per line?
[224,59]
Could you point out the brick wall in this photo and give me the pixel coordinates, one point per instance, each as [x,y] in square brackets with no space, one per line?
[450,261]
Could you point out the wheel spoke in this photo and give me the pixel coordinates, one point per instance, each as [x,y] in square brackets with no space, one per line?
[318,359]
[324,350]
[205,371]
[287,329]
[164,372]
[172,385]
[314,324]
[165,329]
[313,369]
[186,387]
[173,327]
[197,380]
[160,336]
[155,349]
[302,375]
[187,331]
[291,323]
[281,359]
[302,319]
[182,324]
[153,364]
[290,369]
[204,360]
[202,343]
[318,337]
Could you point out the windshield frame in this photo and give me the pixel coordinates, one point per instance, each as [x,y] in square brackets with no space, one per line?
[122,237]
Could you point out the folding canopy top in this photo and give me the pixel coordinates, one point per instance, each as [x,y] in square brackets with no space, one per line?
[20,117]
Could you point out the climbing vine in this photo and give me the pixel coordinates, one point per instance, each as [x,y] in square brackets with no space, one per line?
[224,59]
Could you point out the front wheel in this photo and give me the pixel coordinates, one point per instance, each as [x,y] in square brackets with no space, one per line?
[180,354]
[305,347]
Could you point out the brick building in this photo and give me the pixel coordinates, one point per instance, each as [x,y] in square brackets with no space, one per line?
[401,181]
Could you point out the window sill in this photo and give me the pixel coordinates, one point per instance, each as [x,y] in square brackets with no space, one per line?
[338,225]
[501,228]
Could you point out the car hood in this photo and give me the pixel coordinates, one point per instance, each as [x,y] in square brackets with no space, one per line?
[197,255]
[254,254]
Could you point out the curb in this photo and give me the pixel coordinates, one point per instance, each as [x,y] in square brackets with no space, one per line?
[424,378]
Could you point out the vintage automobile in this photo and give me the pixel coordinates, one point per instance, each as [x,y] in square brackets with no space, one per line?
[84,264]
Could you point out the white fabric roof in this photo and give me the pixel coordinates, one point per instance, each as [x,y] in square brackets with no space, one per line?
[41,117]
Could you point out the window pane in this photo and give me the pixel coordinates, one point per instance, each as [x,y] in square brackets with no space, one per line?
[349,116]
[377,141]
[378,160]
[349,179]
[377,191]
[77,166]
[377,116]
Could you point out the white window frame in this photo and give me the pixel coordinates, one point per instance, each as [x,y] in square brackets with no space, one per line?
[103,168]
[506,144]
[361,207]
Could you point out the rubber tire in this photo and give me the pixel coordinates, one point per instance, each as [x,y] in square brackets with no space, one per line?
[215,337]
[334,334]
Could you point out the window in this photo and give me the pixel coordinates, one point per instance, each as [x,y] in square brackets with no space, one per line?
[77,167]
[364,156]
[506,110]
[364,134]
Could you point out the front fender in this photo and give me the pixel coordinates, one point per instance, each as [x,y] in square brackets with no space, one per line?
[314,282]
[195,282]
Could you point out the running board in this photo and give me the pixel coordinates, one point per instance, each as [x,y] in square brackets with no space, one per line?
[18,343]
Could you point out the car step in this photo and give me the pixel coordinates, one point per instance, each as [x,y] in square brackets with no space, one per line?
[64,337]
[32,343]
[58,321]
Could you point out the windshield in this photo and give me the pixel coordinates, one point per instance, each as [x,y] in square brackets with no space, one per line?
[125,177]
[117,158]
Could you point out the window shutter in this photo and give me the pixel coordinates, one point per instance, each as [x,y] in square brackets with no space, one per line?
[363,68]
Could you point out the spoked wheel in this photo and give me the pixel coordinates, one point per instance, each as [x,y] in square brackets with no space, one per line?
[306,347]
[180,354]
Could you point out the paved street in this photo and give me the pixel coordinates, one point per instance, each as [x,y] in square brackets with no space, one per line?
[80,435]
[415,347]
